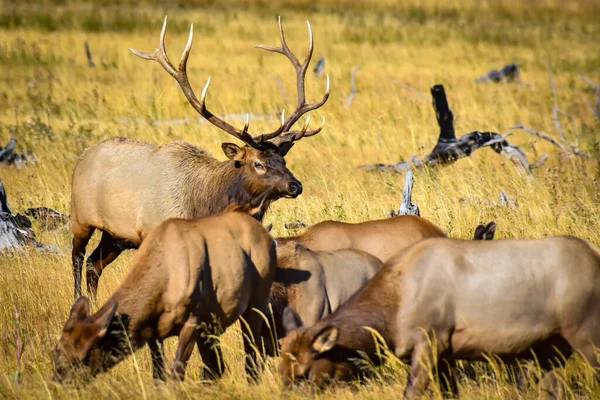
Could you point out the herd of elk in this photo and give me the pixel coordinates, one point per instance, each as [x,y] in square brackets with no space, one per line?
[444,300]
[205,261]
[125,187]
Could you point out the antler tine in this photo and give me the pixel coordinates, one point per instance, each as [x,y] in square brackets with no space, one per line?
[302,107]
[180,76]
[297,135]
[272,135]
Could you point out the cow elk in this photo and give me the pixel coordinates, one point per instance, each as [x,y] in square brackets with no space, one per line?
[189,278]
[444,300]
[382,238]
[315,283]
[126,187]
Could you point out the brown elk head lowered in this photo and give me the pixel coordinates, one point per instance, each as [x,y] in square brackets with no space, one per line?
[263,155]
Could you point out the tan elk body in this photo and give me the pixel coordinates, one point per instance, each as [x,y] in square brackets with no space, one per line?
[382,238]
[472,298]
[315,283]
[125,187]
[189,279]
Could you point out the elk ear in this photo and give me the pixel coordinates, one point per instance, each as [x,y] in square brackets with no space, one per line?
[291,320]
[80,310]
[233,151]
[283,148]
[490,231]
[326,339]
[103,320]
[479,232]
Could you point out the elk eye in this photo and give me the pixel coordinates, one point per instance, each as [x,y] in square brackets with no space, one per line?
[258,166]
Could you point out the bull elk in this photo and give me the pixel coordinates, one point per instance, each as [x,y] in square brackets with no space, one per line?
[189,278]
[126,187]
[445,300]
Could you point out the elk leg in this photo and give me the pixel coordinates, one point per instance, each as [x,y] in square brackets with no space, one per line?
[80,242]
[212,357]
[251,330]
[446,371]
[418,379]
[104,254]
[187,337]
[158,362]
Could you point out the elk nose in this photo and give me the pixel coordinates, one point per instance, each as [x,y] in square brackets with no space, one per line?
[295,187]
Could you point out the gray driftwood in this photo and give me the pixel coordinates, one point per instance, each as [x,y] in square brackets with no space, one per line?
[15,230]
[508,73]
[8,155]
[354,91]
[407,207]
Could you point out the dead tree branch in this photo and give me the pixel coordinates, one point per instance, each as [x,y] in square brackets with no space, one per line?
[541,136]
[320,67]
[354,91]
[596,107]
[16,230]
[449,149]
[508,73]
[555,109]
[572,149]
[88,54]
[413,90]
[407,207]
[8,156]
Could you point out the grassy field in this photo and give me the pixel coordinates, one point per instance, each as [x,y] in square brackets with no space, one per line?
[55,105]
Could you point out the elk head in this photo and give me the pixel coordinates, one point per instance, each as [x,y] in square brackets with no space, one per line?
[79,352]
[262,157]
[311,353]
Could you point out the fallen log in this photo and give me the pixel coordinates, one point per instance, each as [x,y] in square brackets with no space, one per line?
[508,73]
[449,149]
[16,229]
[8,156]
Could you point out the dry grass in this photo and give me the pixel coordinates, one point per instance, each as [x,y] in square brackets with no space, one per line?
[57,106]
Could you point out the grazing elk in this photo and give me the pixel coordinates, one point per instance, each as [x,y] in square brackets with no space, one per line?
[315,283]
[443,300]
[189,278]
[382,238]
[126,187]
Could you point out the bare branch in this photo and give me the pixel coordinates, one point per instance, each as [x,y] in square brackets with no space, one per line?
[354,91]
[555,108]
[413,90]
[88,53]
[541,136]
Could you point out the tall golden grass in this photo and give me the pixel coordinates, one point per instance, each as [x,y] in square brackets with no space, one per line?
[53,103]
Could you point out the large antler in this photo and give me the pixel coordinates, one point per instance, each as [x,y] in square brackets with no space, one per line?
[180,75]
[302,107]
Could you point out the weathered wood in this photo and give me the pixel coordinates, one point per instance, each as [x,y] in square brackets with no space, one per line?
[8,156]
[88,54]
[354,91]
[15,230]
[47,218]
[320,67]
[449,149]
[407,207]
[508,73]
